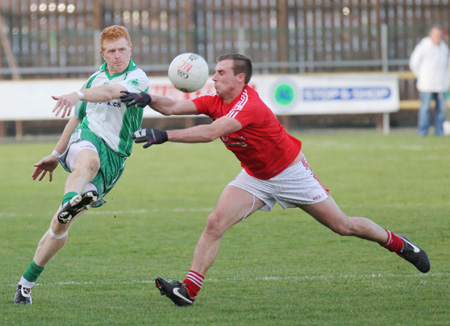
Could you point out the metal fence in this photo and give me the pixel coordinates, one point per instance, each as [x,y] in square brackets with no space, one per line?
[59,39]
[49,38]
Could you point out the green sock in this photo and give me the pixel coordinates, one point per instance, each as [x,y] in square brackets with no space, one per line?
[33,271]
[67,197]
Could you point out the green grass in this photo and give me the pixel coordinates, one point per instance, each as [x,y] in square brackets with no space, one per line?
[278,268]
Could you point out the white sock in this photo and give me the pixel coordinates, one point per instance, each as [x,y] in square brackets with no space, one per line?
[26,283]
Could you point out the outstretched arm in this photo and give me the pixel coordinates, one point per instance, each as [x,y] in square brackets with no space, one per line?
[161,104]
[104,93]
[167,106]
[50,163]
[205,133]
[198,134]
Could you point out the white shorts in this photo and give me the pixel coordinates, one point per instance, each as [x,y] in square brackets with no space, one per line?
[296,185]
[74,149]
[71,154]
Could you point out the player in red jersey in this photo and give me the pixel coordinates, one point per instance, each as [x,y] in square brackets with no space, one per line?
[274,170]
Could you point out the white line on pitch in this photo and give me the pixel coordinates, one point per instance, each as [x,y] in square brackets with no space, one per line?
[139,211]
[265,278]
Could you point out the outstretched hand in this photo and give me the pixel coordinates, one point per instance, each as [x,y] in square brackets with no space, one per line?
[136,99]
[150,136]
[46,164]
[65,103]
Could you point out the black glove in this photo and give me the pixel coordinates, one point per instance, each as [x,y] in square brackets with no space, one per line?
[136,99]
[151,136]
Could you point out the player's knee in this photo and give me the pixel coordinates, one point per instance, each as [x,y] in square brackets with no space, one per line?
[214,224]
[344,227]
[343,231]
[90,165]
[93,166]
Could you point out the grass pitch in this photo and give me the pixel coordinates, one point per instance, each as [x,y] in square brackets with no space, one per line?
[278,268]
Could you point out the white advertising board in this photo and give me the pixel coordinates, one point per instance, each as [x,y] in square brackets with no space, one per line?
[284,94]
[330,94]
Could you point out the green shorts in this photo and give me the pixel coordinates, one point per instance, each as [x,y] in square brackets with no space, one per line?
[112,164]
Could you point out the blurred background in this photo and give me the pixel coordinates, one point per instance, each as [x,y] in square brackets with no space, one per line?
[47,39]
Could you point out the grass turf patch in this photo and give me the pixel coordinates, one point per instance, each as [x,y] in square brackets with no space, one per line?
[278,268]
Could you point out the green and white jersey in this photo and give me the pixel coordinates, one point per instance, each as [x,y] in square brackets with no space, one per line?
[112,121]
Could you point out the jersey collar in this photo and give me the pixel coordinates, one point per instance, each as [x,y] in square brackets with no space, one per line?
[103,67]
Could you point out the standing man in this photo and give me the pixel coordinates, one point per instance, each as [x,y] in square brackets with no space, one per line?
[274,170]
[93,146]
[429,62]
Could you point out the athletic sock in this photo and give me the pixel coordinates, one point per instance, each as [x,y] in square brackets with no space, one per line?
[31,274]
[394,242]
[24,282]
[67,197]
[194,282]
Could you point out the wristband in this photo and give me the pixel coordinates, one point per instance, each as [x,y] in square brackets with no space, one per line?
[56,154]
[80,94]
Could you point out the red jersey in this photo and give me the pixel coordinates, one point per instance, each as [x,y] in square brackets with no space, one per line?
[263,146]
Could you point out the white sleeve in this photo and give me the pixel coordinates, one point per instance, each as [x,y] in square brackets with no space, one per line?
[415,59]
[136,81]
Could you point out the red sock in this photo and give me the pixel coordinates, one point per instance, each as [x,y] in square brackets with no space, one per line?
[394,242]
[194,282]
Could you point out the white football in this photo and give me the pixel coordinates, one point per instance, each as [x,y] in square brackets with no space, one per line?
[188,72]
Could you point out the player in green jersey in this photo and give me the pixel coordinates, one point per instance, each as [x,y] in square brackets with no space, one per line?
[93,146]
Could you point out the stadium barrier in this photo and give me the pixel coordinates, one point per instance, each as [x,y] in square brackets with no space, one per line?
[312,94]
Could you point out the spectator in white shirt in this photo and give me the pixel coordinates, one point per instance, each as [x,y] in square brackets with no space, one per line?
[429,62]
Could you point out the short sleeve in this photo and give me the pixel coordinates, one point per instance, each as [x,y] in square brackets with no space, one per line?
[136,81]
[205,104]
